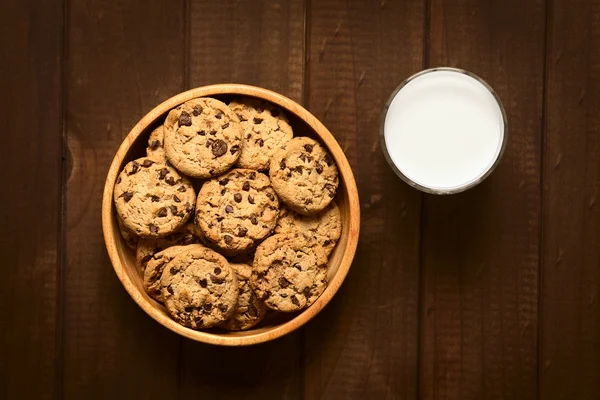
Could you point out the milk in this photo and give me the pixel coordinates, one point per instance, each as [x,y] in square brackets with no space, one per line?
[444,130]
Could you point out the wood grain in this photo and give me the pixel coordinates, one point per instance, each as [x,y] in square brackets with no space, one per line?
[124,57]
[259,43]
[30,236]
[480,248]
[570,345]
[365,343]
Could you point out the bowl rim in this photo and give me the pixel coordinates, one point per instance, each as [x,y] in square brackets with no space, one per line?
[347,177]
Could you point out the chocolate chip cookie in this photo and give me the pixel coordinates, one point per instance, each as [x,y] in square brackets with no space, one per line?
[289,272]
[324,227]
[237,210]
[250,310]
[152,199]
[199,288]
[146,248]
[156,150]
[130,238]
[304,175]
[266,129]
[203,137]
[156,265]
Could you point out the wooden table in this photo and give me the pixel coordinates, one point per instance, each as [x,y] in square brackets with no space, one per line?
[489,294]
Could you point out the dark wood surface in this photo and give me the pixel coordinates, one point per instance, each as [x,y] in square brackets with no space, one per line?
[489,294]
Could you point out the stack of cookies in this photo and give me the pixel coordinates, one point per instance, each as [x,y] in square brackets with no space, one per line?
[257,235]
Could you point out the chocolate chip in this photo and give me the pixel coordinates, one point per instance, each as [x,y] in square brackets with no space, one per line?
[242,231]
[252,175]
[223,181]
[153,228]
[254,221]
[297,266]
[185,119]
[303,157]
[228,208]
[234,149]
[223,191]
[241,117]
[246,186]
[258,120]
[176,199]
[327,160]
[217,270]
[212,132]
[147,163]
[250,199]
[260,142]
[197,111]
[173,209]
[249,136]
[162,173]
[223,308]
[207,307]
[216,280]
[162,212]
[154,144]
[308,147]
[127,196]
[275,112]
[270,196]
[212,172]
[327,242]
[199,322]
[329,187]
[219,115]
[225,125]
[295,300]
[228,239]
[298,169]
[170,289]
[237,197]
[202,133]
[134,168]
[319,168]
[282,164]
[283,282]
[266,295]
[219,147]
[203,283]
[306,292]
[181,189]
[308,201]
[170,180]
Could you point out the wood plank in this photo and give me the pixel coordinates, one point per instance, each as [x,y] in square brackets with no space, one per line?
[364,344]
[30,122]
[570,345]
[259,43]
[124,57]
[481,247]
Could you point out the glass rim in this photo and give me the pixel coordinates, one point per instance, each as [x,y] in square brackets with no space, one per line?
[470,184]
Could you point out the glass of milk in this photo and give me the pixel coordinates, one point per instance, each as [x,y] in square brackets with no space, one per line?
[443,130]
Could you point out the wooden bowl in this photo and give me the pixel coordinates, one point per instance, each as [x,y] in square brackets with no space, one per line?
[279,324]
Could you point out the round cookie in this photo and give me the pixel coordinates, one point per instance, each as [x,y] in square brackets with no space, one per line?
[324,228]
[304,175]
[203,137]
[152,199]
[130,238]
[156,150]
[146,248]
[250,310]
[237,210]
[289,272]
[266,129]
[156,265]
[199,288]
